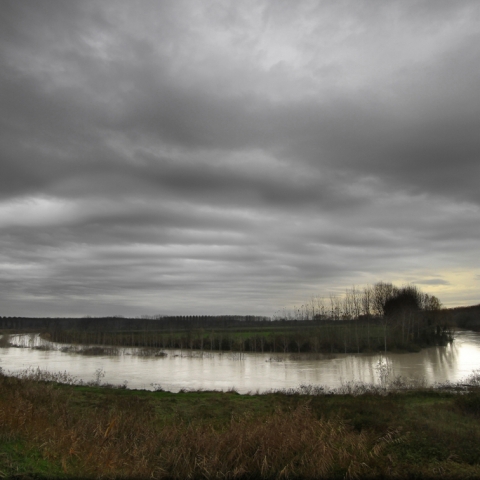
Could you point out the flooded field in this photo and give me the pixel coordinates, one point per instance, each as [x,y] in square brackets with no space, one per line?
[174,370]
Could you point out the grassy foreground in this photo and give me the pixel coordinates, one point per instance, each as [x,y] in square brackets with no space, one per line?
[52,430]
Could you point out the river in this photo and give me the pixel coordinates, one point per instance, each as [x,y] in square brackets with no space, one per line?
[249,372]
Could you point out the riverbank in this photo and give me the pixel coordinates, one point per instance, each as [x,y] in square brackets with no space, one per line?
[50,430]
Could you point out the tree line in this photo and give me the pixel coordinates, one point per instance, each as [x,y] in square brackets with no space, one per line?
[379,317]
[355,303]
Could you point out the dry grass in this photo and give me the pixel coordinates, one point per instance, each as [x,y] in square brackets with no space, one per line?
[97,432]
[128,440]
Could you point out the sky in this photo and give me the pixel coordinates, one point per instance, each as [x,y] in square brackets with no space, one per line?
[236,157]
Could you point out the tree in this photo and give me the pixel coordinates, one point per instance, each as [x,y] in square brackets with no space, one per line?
[406,299]
[382,292]
[403,308]
[431,303]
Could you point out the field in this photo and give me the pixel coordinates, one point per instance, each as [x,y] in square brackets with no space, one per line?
[279,337]
[54,430]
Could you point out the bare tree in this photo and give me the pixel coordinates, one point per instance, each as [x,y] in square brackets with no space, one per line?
[347,304]
[382,292]
[336,307]
[321,310]
[367,308]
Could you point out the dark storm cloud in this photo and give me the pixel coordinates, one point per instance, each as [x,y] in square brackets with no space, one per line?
[235,156]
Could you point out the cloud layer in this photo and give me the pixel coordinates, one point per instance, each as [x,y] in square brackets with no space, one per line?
[235,157]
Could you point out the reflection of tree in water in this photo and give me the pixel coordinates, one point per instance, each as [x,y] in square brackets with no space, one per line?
[251,372]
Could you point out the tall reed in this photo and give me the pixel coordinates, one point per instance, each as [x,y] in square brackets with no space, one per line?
[128,439]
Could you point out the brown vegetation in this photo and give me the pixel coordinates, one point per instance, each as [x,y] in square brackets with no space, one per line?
[74,431]
[127,439]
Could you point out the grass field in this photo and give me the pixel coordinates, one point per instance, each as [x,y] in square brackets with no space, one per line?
[52,430]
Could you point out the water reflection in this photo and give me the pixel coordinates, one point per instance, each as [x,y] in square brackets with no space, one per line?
[247,372]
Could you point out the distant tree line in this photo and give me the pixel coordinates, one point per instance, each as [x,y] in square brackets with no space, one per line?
[118,322]
[466,317]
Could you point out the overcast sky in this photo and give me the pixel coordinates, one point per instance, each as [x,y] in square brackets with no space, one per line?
[209,157]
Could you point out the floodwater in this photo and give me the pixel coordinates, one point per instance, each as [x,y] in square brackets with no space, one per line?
[247,372]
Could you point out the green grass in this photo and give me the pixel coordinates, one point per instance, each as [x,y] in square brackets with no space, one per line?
[19,459]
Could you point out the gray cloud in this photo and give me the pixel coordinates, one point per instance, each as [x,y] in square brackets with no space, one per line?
[433,281]
[235,157]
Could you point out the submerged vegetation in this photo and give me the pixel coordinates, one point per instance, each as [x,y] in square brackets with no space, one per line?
[50,430]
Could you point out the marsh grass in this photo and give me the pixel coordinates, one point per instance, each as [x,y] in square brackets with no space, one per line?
[385,387]
[150,352]
[32,374]
[128,439]
[77,430]
[99,351]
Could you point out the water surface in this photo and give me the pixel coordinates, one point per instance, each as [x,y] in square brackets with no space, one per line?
[248,372]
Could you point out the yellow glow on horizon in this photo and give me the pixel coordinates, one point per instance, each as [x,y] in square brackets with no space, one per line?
[459,287]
